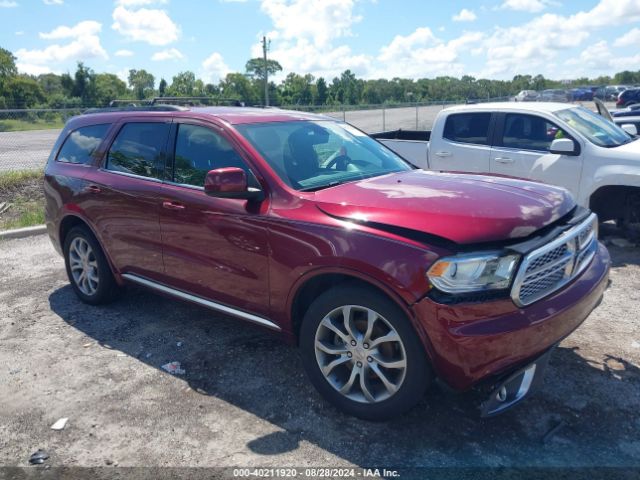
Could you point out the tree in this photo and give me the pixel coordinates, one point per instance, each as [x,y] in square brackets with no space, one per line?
[23,92]
[238,86]
[108,87]
[321,91]
[183,85]
[50,83]
[8,67]
[142,82]
[255,68]
[83,84]
[162,87]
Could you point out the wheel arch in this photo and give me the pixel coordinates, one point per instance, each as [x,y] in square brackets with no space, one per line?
[610,201]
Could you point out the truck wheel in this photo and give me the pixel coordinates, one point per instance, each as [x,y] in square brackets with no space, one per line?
[87,267]
[362,353]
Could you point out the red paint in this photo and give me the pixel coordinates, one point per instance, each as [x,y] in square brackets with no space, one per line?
[256,255]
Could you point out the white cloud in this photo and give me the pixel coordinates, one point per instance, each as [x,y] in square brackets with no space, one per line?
[123,74]
[139,3]
[84,44]
[53,2]
[86,28]
[124,53]
[464,16]
[531,6]
[533,46]
[8,4]
[154,27]
[20,33]
[632,37]
[214,68]
[306,34]
[422,54]
[169,54]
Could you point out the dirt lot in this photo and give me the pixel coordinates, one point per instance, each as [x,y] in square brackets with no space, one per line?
[244,399]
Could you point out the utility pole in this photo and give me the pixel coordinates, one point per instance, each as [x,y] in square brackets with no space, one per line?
[266,71]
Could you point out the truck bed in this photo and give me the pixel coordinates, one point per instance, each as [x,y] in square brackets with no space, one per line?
[412,145]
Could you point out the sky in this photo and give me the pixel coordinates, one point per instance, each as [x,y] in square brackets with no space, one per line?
[561,39]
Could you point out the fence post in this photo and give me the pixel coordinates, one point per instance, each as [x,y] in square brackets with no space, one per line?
[416,116]
[384,122]
[344,114]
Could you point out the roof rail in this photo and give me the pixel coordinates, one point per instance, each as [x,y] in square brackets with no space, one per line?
[191,101]
[137,108]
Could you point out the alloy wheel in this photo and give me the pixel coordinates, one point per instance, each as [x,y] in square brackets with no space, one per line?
[84,266]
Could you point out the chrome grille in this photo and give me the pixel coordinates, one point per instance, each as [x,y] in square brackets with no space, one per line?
[552,266]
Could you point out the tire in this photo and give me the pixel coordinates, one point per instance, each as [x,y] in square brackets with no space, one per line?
[355,302]
[99,286]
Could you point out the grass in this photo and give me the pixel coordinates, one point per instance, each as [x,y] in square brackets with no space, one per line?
[22,190]
[22,125]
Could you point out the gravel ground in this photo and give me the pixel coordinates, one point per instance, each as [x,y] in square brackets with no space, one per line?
[245,401]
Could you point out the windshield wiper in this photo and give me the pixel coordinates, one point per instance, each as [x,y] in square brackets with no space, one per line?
[315,188]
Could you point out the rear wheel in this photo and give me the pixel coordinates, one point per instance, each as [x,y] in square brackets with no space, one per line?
[362,354]
[87,267]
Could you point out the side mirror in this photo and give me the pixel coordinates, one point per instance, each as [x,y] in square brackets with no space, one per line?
[630,128]
[563,146]
[230,182]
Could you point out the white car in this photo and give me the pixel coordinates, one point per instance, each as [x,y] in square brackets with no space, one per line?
[556,143]
[527,96]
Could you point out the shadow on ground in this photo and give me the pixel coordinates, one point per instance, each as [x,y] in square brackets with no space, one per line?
[594,404]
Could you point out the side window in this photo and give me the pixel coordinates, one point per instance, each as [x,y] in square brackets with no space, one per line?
[138,149]
[468,128]
[82,143]
[529,132]
[200,149]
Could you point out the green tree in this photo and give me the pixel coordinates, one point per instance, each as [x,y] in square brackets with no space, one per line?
[183,85]
[321,91]
[255,68]
[23,92]
[238,86]
[162,87]
[108,87]
[8,67]
[142,83]
[50,83]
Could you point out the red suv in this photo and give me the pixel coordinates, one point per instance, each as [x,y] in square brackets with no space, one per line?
[384,275]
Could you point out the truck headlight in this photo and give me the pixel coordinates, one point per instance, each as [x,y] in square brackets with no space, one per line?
[473,272]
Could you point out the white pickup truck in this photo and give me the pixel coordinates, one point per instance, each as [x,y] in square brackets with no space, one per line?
[557,143]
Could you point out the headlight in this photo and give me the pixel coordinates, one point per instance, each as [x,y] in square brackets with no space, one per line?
[473,272]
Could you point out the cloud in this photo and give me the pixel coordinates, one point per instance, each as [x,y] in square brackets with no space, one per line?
[169,54]
[84,43]
[53,2]
[306,36]
[464,16]
[214,68]
[421,54]
[632,37]
[139,3]
[8,4]
[531,6]
[154,27]
[124,53]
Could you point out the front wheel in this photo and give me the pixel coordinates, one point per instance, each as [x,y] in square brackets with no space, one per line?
[362,353]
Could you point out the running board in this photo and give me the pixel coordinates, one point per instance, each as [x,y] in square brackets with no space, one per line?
[200,301]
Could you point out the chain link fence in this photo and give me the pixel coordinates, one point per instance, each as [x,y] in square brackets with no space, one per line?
[26,136]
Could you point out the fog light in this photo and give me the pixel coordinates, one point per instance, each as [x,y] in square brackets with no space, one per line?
[502,394]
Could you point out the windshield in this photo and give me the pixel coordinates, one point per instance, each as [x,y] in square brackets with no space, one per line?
[310,155]
[595,128]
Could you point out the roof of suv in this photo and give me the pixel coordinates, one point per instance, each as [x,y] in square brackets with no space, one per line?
[518,106]
[233,115]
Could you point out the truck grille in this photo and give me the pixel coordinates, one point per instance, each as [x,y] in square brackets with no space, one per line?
[552,266]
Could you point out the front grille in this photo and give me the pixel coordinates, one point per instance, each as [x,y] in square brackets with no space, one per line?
[552,266]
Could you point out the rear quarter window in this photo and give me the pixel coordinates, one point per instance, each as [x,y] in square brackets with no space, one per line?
[82,143]
[468,128]
[138,149]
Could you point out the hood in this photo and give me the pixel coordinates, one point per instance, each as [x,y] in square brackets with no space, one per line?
[462,208]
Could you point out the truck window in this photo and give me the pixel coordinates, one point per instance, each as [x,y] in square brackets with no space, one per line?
[529,132]
[82,143]
[138,149]
[468,128]
[200,149]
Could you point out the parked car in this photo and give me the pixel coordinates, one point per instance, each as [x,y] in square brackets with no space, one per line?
[560,144]
[627,118]
[628,97]
[384,275]
[527,96]
[555,95]
[581,94]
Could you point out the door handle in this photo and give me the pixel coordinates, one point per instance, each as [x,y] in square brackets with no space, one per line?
[93,189]
[442,153]
[504,160]
[173,206]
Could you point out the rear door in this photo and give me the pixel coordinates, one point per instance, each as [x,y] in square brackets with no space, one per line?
[216,248]
[123,196]
[462,143]
[522,150]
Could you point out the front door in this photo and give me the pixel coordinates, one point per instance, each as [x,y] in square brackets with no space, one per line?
[522,150]
[215,248]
